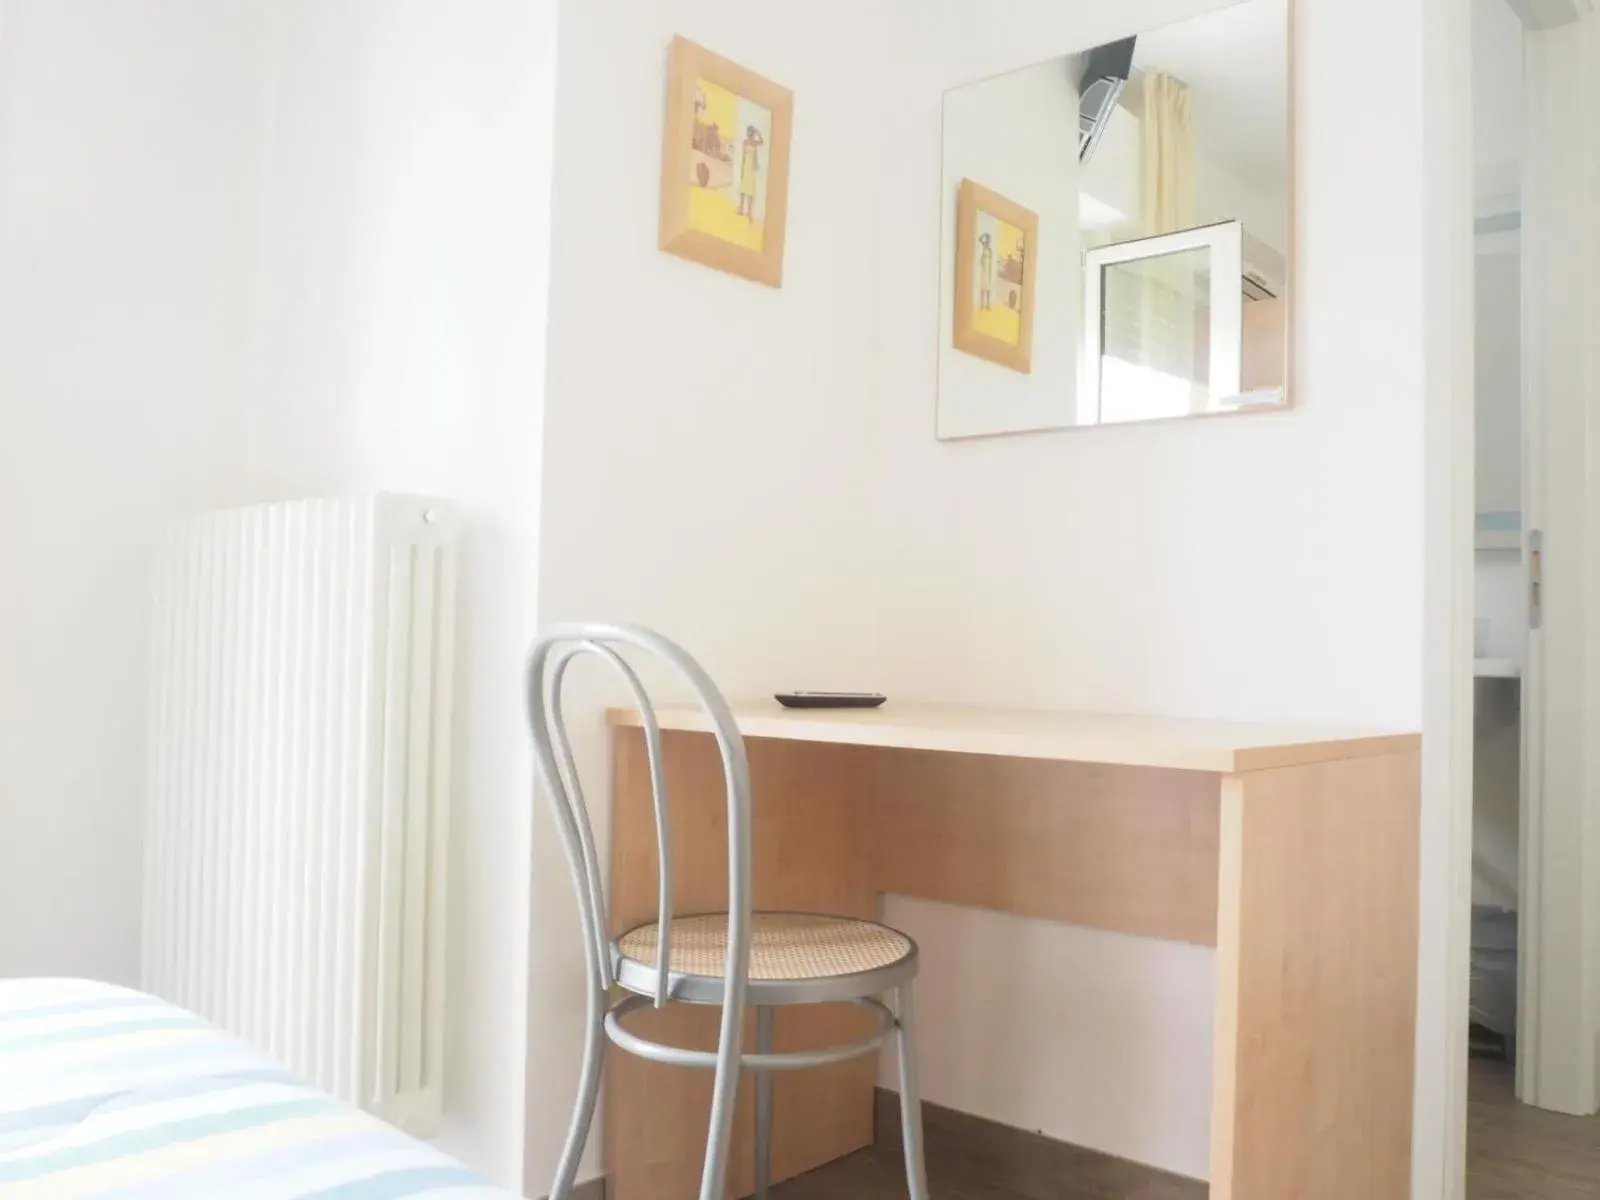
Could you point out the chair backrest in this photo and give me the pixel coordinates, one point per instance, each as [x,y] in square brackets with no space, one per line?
[553,653]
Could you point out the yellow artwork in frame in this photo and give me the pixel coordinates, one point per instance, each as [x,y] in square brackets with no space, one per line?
[725,165]
[996,249]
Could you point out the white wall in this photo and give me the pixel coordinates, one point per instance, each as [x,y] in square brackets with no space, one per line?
[1096,1038]
[1016,135]
[1228,568]
[1264,567]
[1497,97]
[1219,568]
[708,439]
[251,250]
[396,341]
[124,167]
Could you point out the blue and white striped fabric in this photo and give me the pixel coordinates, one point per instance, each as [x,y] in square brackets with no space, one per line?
[111,1093]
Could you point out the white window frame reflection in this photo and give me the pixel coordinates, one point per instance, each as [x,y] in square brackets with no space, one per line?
[1224,243]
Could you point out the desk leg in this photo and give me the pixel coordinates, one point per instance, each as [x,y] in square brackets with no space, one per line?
[811,855]
[1316,975]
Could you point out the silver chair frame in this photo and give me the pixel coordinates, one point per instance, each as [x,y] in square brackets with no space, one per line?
[552,655]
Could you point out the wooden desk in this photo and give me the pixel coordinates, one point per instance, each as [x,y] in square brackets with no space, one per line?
[1294,851]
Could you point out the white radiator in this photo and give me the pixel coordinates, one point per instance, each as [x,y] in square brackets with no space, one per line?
[299,788]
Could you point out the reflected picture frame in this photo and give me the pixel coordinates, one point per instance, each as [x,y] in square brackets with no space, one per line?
[710,212]
[973,203]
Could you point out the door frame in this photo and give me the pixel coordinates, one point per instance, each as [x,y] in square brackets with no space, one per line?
[1558,1025]
[1439,1127]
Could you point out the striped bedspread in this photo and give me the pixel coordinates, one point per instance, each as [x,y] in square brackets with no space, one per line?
[110,1093]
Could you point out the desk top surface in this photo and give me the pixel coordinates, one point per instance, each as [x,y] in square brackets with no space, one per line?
[1219,747]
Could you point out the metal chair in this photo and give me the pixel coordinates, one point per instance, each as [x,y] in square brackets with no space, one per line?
[729,959]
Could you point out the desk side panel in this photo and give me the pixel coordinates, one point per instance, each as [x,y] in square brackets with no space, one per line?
[810,854]
[1317,981]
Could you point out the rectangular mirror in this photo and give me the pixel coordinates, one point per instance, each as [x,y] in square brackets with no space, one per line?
[1115,239]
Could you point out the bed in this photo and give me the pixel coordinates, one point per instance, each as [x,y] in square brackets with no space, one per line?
[108,1092]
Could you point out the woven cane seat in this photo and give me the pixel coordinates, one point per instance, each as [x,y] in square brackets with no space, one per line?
[783,946]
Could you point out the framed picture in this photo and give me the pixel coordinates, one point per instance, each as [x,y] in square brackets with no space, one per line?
[725,165]
[996,247]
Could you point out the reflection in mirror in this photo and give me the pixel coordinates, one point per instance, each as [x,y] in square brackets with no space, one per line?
[1169,376]
[1157,170]
[1166,314]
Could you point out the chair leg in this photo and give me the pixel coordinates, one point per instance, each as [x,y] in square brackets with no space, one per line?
[763,1105]
[724,1097]
[583,1111]
[910,1098]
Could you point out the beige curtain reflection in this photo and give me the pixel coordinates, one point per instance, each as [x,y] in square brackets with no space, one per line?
[1166,156]
[1173,316]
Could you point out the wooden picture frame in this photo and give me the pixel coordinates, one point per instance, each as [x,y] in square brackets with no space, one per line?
[725,191]
[993,308]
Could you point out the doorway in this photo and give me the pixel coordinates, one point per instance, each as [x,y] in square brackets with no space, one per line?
[1534,1014]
